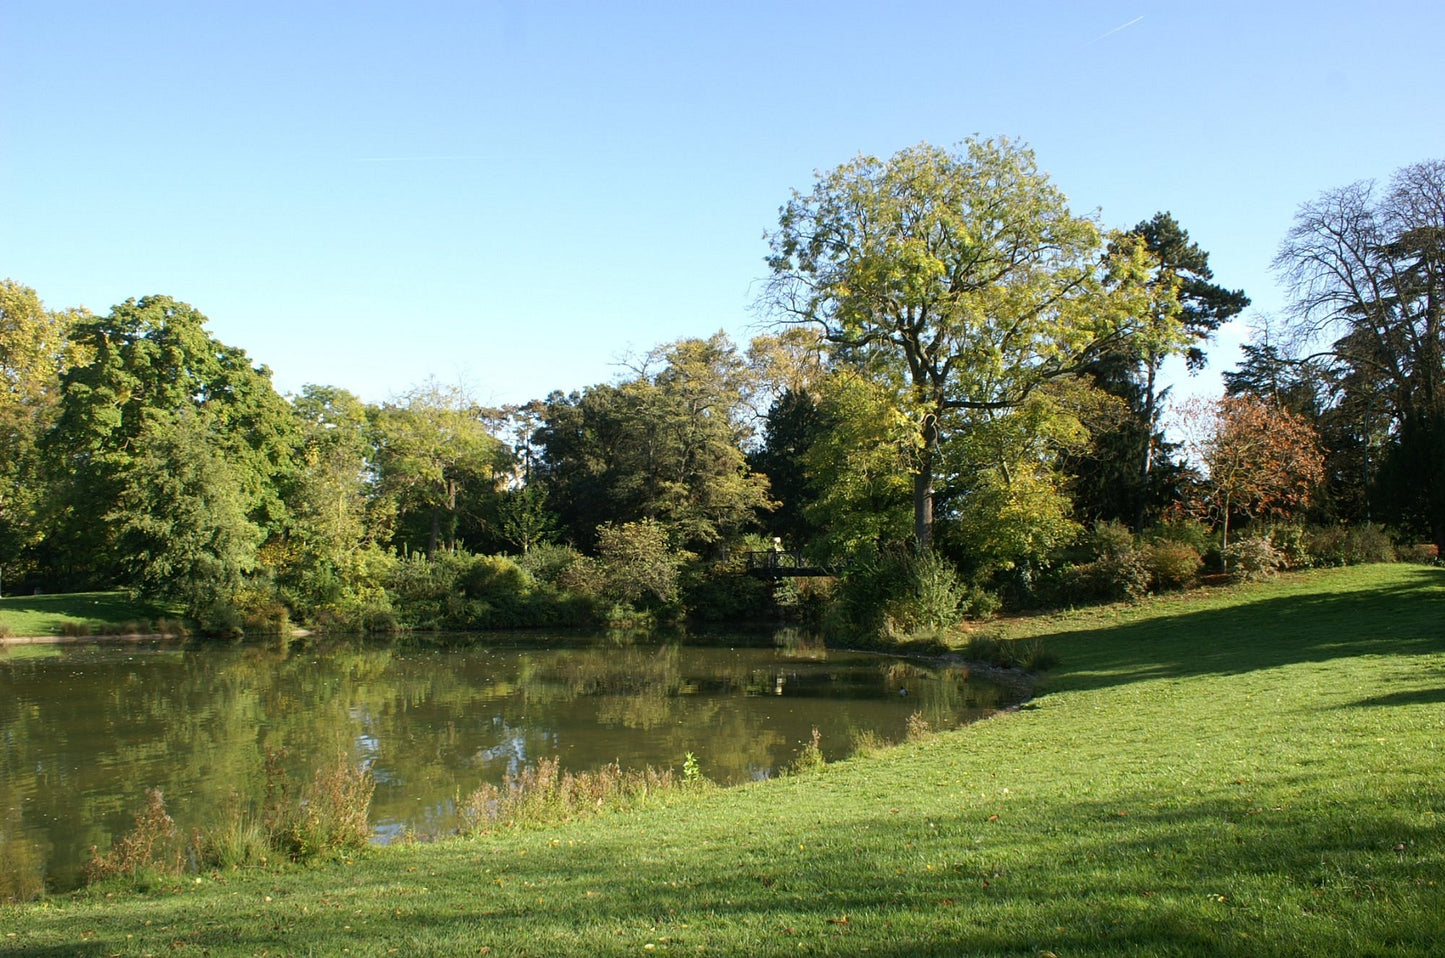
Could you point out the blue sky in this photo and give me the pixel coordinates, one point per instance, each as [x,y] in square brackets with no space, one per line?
[514,195]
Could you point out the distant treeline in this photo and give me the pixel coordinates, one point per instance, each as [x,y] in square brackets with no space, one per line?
[960,403]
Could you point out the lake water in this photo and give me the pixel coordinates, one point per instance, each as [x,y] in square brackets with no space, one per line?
[86,729]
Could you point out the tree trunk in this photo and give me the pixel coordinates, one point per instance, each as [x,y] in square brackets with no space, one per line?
[923,490]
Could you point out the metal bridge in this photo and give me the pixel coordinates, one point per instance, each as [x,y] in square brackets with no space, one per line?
[777,564]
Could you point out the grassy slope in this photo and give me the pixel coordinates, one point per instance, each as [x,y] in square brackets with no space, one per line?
[99,612]
[1254,773]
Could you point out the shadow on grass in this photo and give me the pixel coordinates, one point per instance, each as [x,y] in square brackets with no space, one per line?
[1404,617]
[1213,876]
[1416,697]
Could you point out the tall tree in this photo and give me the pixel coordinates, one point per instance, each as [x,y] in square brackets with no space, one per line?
[957,280]
[1186,308]
[438,460]
[666,445]
[147,361]
[180,517]
[336,519]
[32,356]
[1366,273]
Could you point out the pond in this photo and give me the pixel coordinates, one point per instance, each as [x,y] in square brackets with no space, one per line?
[86,729]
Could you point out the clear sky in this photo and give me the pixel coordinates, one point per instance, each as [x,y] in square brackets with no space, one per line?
[513,195]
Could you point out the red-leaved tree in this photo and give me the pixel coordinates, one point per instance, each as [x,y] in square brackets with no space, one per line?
[1256,459]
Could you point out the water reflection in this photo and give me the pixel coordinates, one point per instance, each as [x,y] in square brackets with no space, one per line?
[84,730]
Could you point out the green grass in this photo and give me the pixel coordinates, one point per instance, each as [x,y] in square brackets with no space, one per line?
[1250,772]
[89,613]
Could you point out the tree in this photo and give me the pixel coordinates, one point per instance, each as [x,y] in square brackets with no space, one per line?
[1366,274]
[336,520]
[1185,308]
[665,445]
[959,281]
[439,461]
[32,356]
[144,363]
[180,517]
[1258,460]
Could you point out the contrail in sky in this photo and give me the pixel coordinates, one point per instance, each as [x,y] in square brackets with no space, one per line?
[1122,26]
[421,159]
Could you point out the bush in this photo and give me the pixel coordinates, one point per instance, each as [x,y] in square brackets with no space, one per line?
[1189,532]
[547,561]
[544,793]
[1171,565]
[1424,553]
[333,816]
[151,848]
[1111,538]
[1252,558]
[901,593]
[1030,655]
[1292,542]
[1349,545]
[723,592]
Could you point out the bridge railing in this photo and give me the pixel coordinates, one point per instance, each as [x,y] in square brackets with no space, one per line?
[778,562]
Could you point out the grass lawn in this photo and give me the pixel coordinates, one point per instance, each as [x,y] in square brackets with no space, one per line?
[78,613]
[1242,772]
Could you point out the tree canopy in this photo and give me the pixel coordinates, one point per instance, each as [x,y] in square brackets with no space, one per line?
[958,280]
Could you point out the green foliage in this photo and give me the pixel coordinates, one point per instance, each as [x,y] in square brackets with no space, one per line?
[332,816]
[1029,655]
[438,462]
[180,520]
[665,446]
[548,561]
[810,756]
[956,281]
[636,563]
[454,590]
[724,592]
[153,390]
[900,593]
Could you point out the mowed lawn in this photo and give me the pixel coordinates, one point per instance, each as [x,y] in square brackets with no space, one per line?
[1254,771]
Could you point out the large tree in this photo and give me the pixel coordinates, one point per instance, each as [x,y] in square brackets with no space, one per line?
[958,280]
[32,356]
[1123,480]
[1366,272]
[438,461]
[145,363]
[665,445]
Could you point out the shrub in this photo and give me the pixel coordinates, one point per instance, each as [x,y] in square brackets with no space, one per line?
[544,793]
[1171,565]
[1189,532]
[1252,558]
[1030,655]
[1425,553]
[152,847]
[1349,545]
[810,757]
[1111,539]
[1292,542]
[547,561]
[901,593]
[333,816]
[719,592]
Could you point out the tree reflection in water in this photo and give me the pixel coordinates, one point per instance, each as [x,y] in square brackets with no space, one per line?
[84,730]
